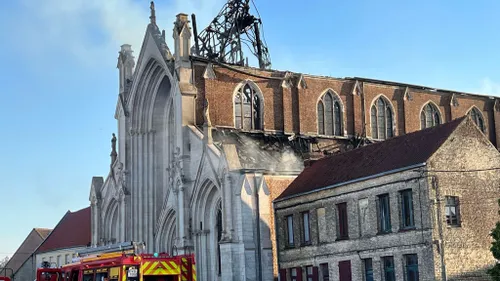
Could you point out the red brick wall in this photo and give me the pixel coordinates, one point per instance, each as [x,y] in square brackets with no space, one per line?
[308,99]
[293,110]
[372,92]
[219,93]
[276,186]
[418,101]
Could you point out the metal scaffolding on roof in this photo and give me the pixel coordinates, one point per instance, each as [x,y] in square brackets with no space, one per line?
[233,28]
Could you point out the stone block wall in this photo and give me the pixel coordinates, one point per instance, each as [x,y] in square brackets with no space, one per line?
[365,241]
[466,246]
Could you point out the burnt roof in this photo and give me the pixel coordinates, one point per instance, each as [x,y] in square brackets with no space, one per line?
[392,154]
[73,230]
[258,151]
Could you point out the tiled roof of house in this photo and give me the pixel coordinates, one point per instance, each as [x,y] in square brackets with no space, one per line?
[392,154]
[73,230]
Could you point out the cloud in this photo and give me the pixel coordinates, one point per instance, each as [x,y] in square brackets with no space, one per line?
[92,31]
[489,87]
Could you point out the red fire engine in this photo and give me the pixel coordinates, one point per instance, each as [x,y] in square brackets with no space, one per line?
[122,262]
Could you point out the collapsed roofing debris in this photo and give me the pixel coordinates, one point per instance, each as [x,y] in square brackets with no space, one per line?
[280,153]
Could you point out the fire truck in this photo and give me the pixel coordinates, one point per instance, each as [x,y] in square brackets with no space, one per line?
[121,262]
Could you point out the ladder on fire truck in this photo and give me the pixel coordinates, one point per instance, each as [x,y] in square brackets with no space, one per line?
[140,264]
[122,262]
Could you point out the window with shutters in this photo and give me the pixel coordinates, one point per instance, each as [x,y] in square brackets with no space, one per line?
[477,117]
[452,211]
[382,124]
[325,272]
[388,273]
[430,116]
[283,274]
[330,115]
[407,218]
[368,269]
[411,267]
[293,274]
[296,274]
[309,273]
[248,105]
[306,228]
[342,223]
[289,231]
[345,273]
[384,213]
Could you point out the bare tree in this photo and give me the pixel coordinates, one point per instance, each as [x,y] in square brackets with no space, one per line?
[3,262]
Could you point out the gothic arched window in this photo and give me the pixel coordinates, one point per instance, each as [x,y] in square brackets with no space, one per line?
[329,115]
[477,117]
[247,109]
[382,124]
[429,117]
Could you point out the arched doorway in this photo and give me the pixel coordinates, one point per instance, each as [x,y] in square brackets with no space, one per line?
[207,220]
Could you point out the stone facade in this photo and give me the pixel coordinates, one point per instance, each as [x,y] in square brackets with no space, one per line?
[466,166]
[58,257]
[27,271]
[365,240]
[466,248]
[195,164]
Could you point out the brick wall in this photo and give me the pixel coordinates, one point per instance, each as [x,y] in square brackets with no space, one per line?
[467,248]
[276,186]
[294,109]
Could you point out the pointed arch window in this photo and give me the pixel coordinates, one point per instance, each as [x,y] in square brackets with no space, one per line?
[382,124]
[429,117]
[329,115]
[247,109]
[477,117]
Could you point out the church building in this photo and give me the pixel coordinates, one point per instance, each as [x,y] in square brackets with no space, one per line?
[204,147]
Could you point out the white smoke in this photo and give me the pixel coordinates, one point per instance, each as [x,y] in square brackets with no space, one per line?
[93,30]
[260,156]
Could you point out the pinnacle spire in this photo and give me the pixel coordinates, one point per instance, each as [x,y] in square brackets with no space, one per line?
[152,17]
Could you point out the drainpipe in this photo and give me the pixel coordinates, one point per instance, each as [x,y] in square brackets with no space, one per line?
[256,214]
[276,240]
[440,227]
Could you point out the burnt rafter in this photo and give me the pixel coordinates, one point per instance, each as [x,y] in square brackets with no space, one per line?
[233,28]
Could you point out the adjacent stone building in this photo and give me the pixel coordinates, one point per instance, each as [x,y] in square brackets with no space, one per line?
[21,265]
[71,234]
[202,148]
[414,207]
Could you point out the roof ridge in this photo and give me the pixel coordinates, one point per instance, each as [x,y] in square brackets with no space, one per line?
[392,154]
[454,122]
